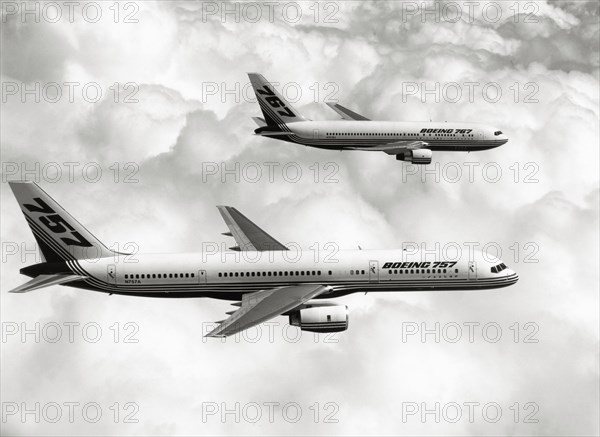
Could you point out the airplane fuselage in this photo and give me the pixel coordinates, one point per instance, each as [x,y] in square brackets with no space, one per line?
[228,275]
[348,135]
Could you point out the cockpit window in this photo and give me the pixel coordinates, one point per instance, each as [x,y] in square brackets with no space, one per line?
[498,132]
[498,268]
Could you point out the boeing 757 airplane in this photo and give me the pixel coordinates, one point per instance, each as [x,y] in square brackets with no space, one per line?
[269,281]
[409,141]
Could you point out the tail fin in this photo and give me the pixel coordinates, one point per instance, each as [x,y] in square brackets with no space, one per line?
[59,236]
[275,108]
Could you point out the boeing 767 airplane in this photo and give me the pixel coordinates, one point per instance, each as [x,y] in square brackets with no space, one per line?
[409,141]
[272,281]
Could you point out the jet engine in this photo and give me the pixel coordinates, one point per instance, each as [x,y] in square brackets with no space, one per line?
[417,156]
[321,317]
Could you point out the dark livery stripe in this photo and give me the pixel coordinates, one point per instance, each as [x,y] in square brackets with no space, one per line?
[435,145]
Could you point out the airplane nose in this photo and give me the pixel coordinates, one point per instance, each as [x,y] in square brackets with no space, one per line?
[511,276]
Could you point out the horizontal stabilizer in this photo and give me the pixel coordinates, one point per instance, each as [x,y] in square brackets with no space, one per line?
[345,113]
[45,281]
[259,121]
[272,133]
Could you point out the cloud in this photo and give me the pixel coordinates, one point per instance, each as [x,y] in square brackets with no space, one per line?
[189,140]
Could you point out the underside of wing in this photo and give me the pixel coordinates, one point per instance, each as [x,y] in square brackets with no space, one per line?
[346,113]
[395,147]
[263,305]
[42,281]
[247,235]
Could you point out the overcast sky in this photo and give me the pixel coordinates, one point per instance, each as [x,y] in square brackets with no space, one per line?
[175,111]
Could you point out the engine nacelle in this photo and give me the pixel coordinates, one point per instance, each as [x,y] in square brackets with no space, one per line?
[321,317]
[417,156]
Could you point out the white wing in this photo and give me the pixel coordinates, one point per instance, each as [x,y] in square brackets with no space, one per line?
[247,235]
[263,305]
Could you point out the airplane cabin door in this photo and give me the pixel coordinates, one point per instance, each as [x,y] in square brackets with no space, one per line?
[472,270]
[111,274]
[202,276]
[316,134]
[373,271]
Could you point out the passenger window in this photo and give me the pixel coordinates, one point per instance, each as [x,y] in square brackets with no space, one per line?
[153,275]
[125,276]
[137,276]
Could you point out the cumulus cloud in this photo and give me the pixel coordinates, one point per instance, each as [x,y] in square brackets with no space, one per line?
[184,143]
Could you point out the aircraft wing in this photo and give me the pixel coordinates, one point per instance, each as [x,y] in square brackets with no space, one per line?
[260,306]
[42,281]
[395,147]
[345,113]
[247,235]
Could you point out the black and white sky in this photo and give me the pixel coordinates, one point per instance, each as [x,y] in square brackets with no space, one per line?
[136,117]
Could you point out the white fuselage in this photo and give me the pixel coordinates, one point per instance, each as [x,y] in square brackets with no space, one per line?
[227,275]
[345,134]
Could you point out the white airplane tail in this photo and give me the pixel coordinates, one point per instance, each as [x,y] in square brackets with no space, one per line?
[59,236]
[275,108]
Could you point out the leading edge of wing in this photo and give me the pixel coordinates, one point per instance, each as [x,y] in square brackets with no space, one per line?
[395,147]
[346,113]
[263,305]
[247,235]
